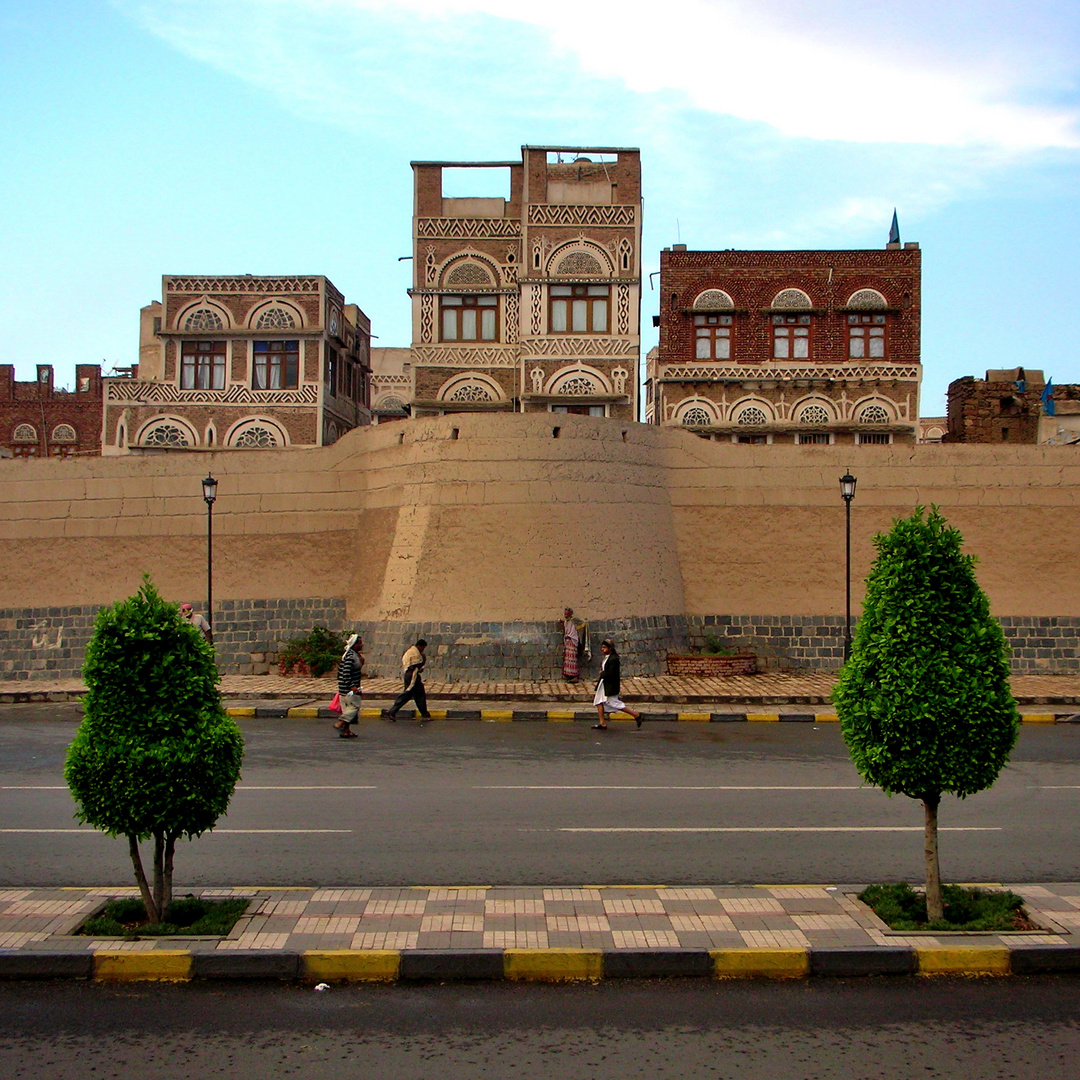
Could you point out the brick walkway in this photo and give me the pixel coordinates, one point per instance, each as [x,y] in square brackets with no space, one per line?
[586,917]
[768,688]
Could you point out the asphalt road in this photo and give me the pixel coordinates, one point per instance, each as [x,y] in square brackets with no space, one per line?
[823,1029]
[547,803]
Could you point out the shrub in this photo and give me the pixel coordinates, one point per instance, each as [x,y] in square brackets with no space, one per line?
[155,755]
[924,701]
[315,653]
[964,908]
[715,646]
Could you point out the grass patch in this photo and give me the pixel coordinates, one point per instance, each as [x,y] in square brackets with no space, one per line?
[903,908]
[190,917]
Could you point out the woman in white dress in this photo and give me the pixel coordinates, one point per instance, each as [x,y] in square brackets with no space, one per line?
[607,698]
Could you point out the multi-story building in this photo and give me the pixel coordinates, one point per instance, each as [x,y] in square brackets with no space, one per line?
[391,383]
[1006,406]
[789,346]
[529,303]
[242,362]
[39,419]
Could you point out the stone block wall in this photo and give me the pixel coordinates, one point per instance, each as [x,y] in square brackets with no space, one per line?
[518,651]
[50,643]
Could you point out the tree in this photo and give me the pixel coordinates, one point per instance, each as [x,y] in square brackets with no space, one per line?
[155,755]
[924,701]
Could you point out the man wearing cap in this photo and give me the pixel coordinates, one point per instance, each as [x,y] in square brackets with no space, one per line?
[200,624]
[348,683]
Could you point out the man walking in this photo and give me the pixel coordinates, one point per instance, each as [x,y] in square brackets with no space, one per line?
[412,664]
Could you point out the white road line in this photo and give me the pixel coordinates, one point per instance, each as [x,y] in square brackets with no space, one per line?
[671,787]
[780,829]
[33,787]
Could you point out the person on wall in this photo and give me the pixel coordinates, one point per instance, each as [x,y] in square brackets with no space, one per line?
[606,698]
[349,668]
[412,664]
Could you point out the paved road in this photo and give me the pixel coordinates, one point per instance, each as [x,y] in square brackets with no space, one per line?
[960,1030]
[529,803]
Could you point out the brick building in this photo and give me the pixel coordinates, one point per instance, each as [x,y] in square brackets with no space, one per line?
[529,303]
[39,419]
[242,362]
[391,383]
[1004,407]
[789,346]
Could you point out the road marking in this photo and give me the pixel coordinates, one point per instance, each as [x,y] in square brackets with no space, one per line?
[670,787]
[84,832]
[33,787]
[777,829]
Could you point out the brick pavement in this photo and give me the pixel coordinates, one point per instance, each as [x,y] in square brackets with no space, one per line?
[608,918]
[766,688]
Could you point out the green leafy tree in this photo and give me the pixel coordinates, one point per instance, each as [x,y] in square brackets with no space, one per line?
[924,700]
[155,756]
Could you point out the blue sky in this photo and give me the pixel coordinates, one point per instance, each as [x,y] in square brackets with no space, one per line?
[143,137]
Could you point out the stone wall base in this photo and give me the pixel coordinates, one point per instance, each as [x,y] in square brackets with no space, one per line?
[50,643]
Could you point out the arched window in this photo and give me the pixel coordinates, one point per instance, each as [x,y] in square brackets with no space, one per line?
[696,416]
[256,435]
[814,414]
[276,318]
[202,319]
[26,433]
[579,264]
[713,300]
[866,298]
[63,433]
[874,414]
[391,404]
[165,434]
[470,392]
[468,272]
[791,298]
[752,416]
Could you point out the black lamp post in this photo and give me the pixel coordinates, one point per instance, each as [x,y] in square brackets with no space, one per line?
[209,494]
[847,493]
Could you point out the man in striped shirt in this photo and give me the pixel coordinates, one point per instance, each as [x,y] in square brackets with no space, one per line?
[348,683]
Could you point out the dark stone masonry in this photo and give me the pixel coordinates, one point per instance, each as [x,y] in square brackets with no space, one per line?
[49,643]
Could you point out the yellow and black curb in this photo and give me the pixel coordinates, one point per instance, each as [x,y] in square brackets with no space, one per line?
[535,965]
[570,715]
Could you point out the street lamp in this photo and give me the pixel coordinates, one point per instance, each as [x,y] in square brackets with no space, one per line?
[847,493]
[209,494]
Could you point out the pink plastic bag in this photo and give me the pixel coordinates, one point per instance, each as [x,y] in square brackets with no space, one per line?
[335,703]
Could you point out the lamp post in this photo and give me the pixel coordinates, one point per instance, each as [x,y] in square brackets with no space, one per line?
[209,494]
[847,493]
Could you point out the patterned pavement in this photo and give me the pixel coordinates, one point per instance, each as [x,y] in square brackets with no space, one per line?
[490,917]
[766,688]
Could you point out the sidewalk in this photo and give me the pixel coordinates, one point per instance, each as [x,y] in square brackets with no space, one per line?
[544,934]
[767,688]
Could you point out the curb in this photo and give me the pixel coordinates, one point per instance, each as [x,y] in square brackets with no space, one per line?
[536,965]
[312,712]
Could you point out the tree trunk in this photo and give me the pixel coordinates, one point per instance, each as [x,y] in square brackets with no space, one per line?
[166,881]
[152,912]
[159,875]
[934,909]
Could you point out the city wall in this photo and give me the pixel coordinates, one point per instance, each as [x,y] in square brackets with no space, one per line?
[476,530]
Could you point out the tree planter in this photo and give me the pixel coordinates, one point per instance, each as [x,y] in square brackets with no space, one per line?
[712,667]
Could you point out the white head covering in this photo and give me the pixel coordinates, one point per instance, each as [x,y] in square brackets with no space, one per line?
[353,639]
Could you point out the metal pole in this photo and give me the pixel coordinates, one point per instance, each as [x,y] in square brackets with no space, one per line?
[847,575]
[210,565]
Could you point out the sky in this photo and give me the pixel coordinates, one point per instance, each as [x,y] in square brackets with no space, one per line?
[151,137]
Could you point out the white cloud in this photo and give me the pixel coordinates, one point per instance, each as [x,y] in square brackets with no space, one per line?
[818,70]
